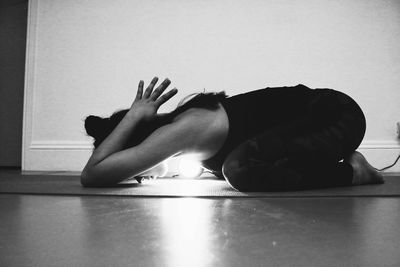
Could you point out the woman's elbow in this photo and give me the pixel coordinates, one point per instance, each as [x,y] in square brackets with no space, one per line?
[99,178]
[88,179]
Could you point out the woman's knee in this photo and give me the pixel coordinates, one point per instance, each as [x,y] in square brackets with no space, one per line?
[239,168]
[236,173]
[267,177]
[232,174]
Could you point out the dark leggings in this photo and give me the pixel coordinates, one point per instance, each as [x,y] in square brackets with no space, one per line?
[304,153]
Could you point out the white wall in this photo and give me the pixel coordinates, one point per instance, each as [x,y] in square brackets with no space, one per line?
[86,57]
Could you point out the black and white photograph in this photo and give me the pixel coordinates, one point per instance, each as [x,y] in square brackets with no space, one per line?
[200,133]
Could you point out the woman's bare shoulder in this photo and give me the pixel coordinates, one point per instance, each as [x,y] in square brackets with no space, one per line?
[208,128]
[190,113]
[199,113]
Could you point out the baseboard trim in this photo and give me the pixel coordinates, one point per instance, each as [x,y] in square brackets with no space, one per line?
[73,155]
[83,145]
[380,144]
[61,145]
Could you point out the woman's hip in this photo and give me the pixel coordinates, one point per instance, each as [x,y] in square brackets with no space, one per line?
[329,107]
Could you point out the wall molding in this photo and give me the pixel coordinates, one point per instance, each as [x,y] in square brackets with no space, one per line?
[380,144]
[85,145]
[63,155]
[61,145]
[30,81]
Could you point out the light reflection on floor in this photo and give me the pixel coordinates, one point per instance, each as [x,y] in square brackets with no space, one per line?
[123,231]
[186,232]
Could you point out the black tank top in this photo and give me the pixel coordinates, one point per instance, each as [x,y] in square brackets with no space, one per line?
[256,111]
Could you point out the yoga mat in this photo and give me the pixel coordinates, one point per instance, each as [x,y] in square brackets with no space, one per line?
[62,183]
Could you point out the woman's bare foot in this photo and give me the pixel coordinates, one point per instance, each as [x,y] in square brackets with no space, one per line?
[363,172]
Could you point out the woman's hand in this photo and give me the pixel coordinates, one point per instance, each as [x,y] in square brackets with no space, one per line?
[159,170]
[146,105]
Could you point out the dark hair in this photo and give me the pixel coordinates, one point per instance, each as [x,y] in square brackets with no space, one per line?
[99,128]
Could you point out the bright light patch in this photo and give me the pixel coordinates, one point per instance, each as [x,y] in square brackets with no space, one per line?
[190,168]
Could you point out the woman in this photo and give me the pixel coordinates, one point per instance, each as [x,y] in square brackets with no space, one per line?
[271,139]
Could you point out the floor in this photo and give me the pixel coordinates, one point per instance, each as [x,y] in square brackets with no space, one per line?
[43,230]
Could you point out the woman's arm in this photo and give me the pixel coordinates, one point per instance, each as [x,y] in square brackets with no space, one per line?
[143,109]
[165,142]
[121,134]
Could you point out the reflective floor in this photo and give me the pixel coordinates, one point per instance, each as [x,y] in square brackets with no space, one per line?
[118,231]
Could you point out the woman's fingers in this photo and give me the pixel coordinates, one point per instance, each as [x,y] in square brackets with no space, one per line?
[156,96]
[165,97]
[149,89]
[139,91]
[160,89]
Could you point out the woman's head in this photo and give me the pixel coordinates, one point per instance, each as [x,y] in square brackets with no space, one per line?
[99,128]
